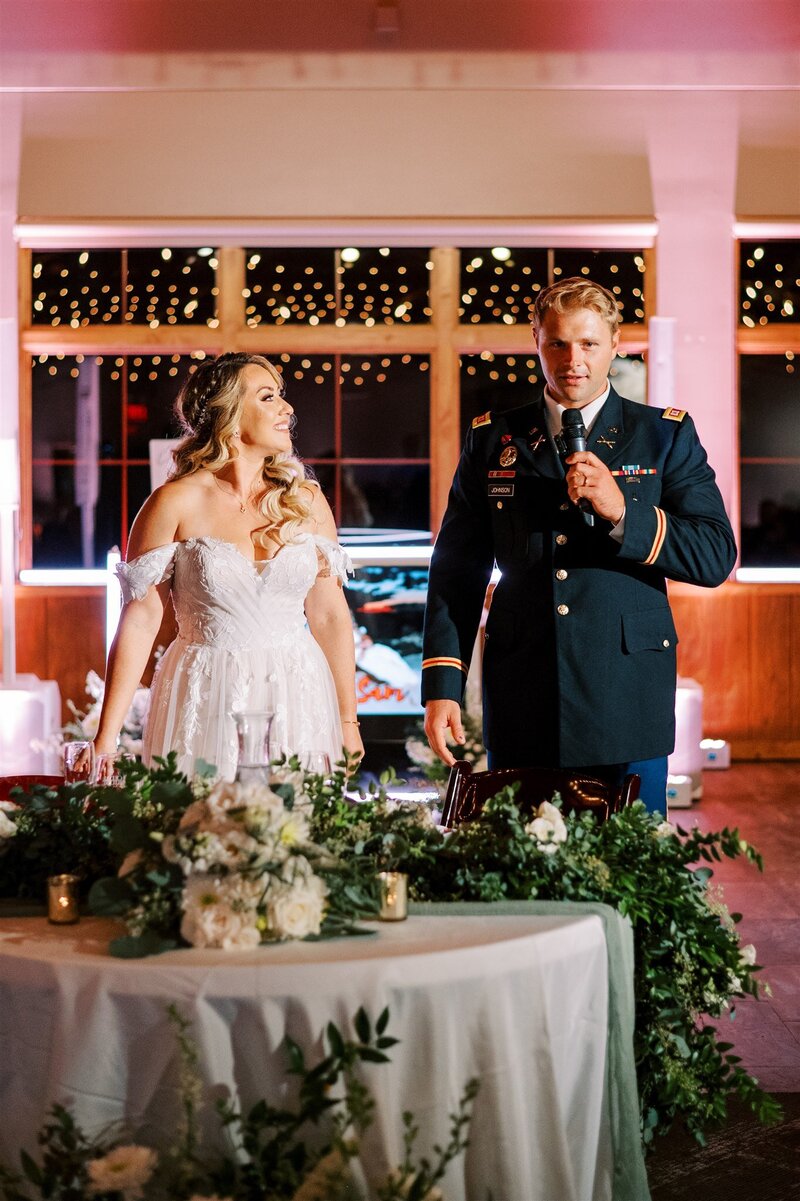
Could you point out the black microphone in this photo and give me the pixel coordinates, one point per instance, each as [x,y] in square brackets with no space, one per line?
[573,441]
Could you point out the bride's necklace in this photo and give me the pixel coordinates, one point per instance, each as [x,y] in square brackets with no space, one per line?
[231,491]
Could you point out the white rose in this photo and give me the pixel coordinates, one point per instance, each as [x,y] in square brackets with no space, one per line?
[296,910]
[210,920]
[665,829]
[7,828]
[294,829]
[125,1170]
[548,827]
[747,954]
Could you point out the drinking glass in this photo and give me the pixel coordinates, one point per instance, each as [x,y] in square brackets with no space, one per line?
[78,762]
[106,769]
[316,763]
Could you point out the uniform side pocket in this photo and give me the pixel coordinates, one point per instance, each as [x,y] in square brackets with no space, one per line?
[650,630]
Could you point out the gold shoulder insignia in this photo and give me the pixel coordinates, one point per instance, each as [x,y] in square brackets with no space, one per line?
[484,419]
[673,414]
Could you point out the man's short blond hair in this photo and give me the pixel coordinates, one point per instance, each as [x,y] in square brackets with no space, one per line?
[577,292]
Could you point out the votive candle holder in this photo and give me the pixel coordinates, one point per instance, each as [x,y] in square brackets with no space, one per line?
[393,896]
[62,899]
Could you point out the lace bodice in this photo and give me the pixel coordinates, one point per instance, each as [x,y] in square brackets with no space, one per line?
[228,601]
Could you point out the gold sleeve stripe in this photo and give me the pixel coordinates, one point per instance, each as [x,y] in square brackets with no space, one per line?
[658,541]
[445,661]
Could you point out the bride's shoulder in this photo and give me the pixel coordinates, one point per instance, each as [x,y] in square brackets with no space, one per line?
[161,517]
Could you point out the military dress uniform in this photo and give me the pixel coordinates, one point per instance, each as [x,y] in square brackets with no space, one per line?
[579,664]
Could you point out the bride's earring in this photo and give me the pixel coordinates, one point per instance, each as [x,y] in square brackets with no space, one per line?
[236,433]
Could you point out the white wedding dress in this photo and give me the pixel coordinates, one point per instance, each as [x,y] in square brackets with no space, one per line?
[242,644]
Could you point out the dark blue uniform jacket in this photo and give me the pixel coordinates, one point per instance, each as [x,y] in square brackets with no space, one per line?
[579,660]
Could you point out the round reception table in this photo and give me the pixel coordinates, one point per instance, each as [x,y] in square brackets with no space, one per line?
[518,995]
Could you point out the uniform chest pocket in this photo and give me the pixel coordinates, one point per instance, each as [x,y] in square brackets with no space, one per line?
[650,630]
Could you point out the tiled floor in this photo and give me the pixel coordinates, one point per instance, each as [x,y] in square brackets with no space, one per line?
[763,801]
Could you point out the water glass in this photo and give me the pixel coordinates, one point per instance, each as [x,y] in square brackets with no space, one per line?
[316,763]
[78,762]
[106,769]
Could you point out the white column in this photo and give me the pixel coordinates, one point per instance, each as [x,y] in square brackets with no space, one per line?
[693,160]
[10,153]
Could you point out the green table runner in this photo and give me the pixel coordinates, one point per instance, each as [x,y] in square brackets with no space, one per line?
[630,1176]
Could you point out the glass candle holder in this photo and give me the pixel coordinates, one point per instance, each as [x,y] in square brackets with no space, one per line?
[62,899]
[393,896]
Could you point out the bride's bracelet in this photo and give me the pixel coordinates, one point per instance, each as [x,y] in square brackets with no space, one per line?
[350,721]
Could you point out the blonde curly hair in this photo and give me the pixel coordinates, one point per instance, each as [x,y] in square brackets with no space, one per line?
[208,408]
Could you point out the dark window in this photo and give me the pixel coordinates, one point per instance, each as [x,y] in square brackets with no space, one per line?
[770,450]
[769,282]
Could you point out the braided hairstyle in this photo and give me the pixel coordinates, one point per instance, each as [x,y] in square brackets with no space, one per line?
[208,408]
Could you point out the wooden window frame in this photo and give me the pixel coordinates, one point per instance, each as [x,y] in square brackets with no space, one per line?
[443,339]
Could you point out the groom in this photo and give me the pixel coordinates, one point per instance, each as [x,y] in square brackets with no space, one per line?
[579,663]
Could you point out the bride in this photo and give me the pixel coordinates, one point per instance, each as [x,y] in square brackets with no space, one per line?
[246,548]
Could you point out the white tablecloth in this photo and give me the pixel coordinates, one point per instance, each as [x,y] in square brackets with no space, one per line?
[519,1001]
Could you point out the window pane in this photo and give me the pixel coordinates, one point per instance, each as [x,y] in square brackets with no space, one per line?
[628,375]
[769,406]
[770,514]
[384,286]
[621,271]
[498,382]
[769,282]
[294,285]
[74,288]
[67,533]
[385,407]
[153,383]
[171,286]
[499,284]
[310,384]
[386,496]
[57,383]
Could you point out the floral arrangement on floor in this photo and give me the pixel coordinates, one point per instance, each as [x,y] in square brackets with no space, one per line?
[227,865]
[279,1153]
[83,725]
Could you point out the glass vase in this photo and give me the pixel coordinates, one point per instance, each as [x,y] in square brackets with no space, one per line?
[253,728]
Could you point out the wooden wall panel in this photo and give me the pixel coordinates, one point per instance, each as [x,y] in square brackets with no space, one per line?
[741,642]
[61,636]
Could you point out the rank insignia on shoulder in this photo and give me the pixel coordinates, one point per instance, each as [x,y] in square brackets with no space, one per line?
[484,419]
[673,414]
